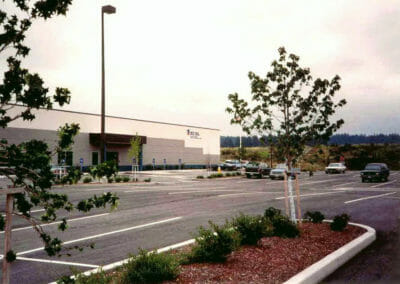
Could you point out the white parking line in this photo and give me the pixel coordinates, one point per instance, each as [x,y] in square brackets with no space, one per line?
[244,193]
[369,197]
[319,181]
[385,183]
[344,183]
[32,211]
[57,262]
[312,194]
[106,234]
[59,222]
[200,191]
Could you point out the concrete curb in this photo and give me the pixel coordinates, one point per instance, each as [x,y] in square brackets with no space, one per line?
[326,266]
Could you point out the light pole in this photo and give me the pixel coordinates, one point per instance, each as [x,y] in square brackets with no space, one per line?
[108,9]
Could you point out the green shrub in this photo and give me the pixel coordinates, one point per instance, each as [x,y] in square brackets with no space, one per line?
[252,228]
[272,212]
[214,244]
[107,169]
[118,179]
[284,228]
[200,177]
[147,180]
[125,179]
[150,268]
[314,216]
[73,175]
[95,278]
[219,175]
[340,222]
[210,176]
[87,179]
[228,174]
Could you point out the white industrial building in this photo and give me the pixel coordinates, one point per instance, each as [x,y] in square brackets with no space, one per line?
[164,145]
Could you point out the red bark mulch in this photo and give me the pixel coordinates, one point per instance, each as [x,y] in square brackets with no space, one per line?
[274,260]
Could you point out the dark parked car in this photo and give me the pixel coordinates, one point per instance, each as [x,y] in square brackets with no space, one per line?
[254,169]
[375,172]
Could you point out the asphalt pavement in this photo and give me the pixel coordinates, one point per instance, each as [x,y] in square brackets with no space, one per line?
[170,208]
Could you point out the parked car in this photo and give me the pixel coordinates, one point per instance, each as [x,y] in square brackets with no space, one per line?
[232,165]
[335,168]
[375,172]
[228,165]
[59,171]
[279,172]
[259,170]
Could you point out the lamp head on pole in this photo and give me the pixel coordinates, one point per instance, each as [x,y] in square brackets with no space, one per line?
[108,9]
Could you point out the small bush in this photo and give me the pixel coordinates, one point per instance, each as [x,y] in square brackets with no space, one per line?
[252,228]
[150,268]
[200,177]
[272,212]
[314,216]
[340,222]
[125,179]
[87,179]
[210,176]
[147,180]
[118,179]
[214,244]
[228,174]
[110,180]
[284,228]
[219,175]
[238,173]
[95,278]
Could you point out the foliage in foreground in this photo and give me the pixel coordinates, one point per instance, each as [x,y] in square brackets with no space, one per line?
[107,169]
[214,244]
[252,228]
[340,222]
[150,268]
[314,216]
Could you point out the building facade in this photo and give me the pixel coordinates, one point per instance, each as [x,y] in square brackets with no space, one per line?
[162,144]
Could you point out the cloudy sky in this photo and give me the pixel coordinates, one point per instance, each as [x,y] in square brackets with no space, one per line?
[177,60]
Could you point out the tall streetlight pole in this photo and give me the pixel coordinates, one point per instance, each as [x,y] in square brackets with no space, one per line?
[108,9]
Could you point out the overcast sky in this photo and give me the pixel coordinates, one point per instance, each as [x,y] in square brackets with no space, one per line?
[177,60]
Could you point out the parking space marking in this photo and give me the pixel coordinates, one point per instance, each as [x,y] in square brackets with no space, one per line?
[385,183]
[200,191]
[106,234]
[251,180]
[57,262]
[311,194]
[369,197]
[319,181]
[344,183]
[164,189]
[244,193]
[59,222]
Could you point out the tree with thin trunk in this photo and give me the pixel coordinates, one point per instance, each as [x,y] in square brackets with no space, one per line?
[290,105]
[134,152]
[27,165]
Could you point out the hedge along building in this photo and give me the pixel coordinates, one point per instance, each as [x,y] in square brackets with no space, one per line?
[162,144]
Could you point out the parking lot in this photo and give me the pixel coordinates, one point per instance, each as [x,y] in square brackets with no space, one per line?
[171,207]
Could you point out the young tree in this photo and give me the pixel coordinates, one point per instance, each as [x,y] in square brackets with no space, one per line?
[27,165]
[289,105]
[134,151]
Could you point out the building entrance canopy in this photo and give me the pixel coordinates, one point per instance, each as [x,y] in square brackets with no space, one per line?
[114,140]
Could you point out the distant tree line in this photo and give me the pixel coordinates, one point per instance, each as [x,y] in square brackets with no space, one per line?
[337,139]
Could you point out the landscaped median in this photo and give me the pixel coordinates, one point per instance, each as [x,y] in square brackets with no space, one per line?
[256,249]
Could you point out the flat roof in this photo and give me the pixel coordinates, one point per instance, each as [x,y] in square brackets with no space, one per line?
[127,118]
